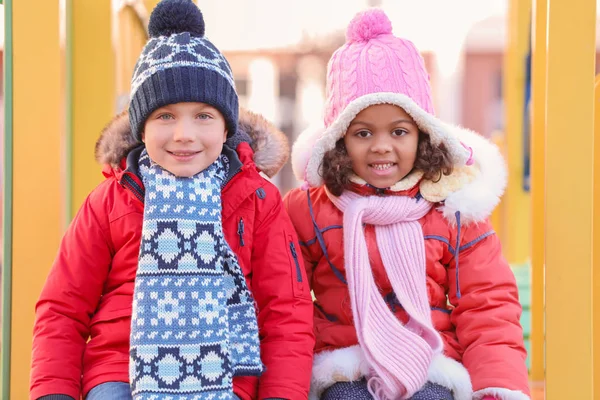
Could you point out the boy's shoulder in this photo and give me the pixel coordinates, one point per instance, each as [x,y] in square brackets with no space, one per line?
[263,188]
[101,194]
[250,189]
[110,200]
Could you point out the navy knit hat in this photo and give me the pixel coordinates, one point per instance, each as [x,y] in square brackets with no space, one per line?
[178,64]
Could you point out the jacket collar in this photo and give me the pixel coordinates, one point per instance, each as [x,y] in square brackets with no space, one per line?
[132,170]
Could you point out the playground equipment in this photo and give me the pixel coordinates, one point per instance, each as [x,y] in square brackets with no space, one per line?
[73,73]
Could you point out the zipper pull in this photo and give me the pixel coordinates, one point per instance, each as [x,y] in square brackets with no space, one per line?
[241,231]
[293,248]
[298,272]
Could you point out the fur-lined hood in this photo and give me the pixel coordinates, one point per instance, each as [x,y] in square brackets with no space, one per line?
[270,145]
[473,190]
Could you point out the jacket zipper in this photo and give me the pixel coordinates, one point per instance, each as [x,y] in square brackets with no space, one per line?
[130,184]
[241,231]
[295,255]
[229,178]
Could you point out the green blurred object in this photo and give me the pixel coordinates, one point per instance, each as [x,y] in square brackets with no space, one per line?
[523,276]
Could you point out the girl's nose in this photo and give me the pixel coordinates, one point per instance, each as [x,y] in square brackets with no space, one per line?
[381,144]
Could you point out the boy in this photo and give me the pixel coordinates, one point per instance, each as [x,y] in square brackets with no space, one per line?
[220,303]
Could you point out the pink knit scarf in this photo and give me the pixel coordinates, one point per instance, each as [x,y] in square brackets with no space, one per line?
[399,354]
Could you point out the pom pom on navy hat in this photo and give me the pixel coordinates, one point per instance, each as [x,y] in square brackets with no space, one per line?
[178,64]
[176,16]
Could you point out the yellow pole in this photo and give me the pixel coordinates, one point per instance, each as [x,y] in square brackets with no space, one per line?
[496,219]
[538,144]
[516,200]
[94,91]
[569,198]
[150,4]
[596,238]
[38,118]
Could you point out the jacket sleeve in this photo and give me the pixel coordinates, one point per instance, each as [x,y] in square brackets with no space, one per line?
[66,304]
[281,290]
[486,314]
[296,204]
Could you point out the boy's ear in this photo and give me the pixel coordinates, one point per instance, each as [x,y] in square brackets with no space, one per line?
[143,136]
[225,136]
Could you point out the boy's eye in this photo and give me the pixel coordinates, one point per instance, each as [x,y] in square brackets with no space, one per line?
[204,116]
[363,134]
[165,116]
[400,132]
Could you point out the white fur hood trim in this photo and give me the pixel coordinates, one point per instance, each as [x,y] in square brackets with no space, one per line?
[478,198]
[349,364]
[426,122]
[500,394]
[475,198]
[302,150]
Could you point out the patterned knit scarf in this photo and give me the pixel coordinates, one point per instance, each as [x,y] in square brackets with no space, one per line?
[193,324]
[398,354]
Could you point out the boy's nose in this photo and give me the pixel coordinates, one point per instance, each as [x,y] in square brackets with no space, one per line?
[183,131]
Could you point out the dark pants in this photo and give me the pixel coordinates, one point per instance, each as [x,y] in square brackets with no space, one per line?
[114,391]
[358,391]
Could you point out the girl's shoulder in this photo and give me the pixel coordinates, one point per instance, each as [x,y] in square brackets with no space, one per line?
[306,202]
[309,207]
[298,207]
[456,232]
[471,192]
[299,195]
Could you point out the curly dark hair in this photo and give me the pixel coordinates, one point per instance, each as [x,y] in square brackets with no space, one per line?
[336,167]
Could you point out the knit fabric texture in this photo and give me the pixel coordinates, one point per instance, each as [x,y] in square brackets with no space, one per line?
[178,64]
[373,60]
[193,324]
[399,354]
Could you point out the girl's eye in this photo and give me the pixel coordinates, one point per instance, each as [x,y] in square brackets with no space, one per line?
[204,116]
[165,116]
[400,132]
[363,134]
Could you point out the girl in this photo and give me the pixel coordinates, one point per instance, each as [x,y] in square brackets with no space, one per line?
[178,277]
[413,299]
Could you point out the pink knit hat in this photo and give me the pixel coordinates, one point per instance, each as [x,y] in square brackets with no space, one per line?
[374,61]
[373,67]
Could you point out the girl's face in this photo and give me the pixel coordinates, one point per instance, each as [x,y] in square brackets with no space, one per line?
[382,143]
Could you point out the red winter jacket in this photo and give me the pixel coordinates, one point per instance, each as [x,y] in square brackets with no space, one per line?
[479,318]
[472,292]
[88,293]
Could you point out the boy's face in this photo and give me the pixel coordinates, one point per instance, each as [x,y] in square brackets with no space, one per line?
[185,138]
